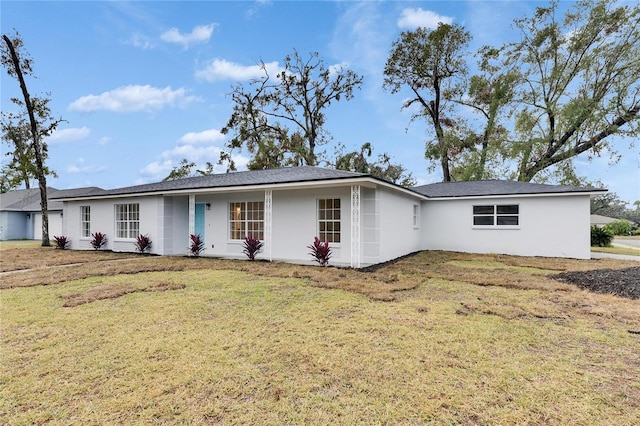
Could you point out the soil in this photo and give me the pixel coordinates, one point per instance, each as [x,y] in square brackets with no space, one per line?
[620,282]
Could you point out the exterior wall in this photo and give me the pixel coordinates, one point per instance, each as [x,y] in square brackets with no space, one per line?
[15,226]
[103,220]
[549,226]
[55,224]
[398,235]
[294,224]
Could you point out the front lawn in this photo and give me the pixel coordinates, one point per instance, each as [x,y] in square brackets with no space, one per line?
[446,338]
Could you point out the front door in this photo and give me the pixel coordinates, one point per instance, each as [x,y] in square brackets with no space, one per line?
[199,220]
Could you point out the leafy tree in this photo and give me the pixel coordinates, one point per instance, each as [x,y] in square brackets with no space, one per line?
[21,169]
[608,204]
[357,161]
[432,65]
[280,119]
[41,122]
[482,140]
[579,84]
[185,170]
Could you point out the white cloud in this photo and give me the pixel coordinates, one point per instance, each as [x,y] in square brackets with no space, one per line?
[221,69]
[414,18]
[206,136]
[80,167]
[133,98]
[69,135]
[200,34]
[140,41]
[103,141]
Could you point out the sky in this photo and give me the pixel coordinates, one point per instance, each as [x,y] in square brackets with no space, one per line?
[143,84]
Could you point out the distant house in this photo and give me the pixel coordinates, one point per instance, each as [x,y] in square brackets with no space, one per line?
[21,214]
[366,220]
[598,220]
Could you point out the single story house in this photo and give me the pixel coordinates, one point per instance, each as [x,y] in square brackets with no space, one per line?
[21,214]
[366,220]
[599,220]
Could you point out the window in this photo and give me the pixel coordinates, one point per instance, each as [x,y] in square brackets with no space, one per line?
[416,216]
[127,220]
[85,221]
[246,218]
[496,215]
[329,220]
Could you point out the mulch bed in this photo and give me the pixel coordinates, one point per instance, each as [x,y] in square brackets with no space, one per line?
[620,282]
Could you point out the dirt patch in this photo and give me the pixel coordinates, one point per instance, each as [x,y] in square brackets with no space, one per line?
[619,282]
[113,291]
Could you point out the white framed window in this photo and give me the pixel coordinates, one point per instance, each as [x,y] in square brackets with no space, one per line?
[85,221]
[246,218]
[329,220]
[497,215]
[127,220]
[416,216]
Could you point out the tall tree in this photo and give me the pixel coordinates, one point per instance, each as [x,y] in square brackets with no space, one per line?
[40,121]
[580,82]
[280,119]
[358,161]
[185,170]
[21,168]
[431,64]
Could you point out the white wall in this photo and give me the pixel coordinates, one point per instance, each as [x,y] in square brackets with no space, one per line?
[550,226]
[55,225]
[103,220]
[294,224]
[398,235]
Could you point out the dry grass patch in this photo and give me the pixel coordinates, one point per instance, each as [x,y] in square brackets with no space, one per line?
[112,291]
[233,347]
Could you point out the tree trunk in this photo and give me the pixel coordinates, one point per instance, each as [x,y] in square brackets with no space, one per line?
[42,179]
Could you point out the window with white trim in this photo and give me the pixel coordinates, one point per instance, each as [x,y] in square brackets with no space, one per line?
[329,221]
[496,215]
[416,216]
[85,221]
[246,218]
[127,220]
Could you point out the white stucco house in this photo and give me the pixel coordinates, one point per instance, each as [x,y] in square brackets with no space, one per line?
[366,220]
[21,213]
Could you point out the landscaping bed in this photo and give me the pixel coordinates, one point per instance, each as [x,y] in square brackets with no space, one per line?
[620,282]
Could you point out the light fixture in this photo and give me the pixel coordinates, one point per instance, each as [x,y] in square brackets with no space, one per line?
[208,206]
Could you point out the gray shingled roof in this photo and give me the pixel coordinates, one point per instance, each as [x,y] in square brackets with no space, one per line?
[28,200]
[235,179]
[495,187]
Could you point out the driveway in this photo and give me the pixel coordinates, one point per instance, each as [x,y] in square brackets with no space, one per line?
[620,242]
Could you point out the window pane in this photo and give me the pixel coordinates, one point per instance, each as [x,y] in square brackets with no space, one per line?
[482,209]
[508,209]
[507,220]
[483,220]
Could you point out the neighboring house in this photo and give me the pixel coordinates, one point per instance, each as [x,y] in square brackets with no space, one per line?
[21,214]
[601,221]
[366,220]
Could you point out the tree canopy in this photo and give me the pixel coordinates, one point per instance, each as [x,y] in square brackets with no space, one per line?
[569,86]
[358,161]
[35,116]
[281,119]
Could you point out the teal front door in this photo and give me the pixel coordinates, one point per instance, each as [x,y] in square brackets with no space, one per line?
[199,221]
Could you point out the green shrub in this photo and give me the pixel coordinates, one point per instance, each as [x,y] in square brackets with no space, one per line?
[619,227]
[600,237]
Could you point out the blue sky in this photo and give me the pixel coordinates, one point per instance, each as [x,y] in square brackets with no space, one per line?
[144,84]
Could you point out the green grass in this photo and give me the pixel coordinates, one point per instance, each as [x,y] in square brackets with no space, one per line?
[617,250]
[232,347]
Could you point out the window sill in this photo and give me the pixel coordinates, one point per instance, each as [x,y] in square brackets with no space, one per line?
[496,227]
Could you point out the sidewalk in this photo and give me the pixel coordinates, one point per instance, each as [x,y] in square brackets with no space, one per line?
[599,255]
